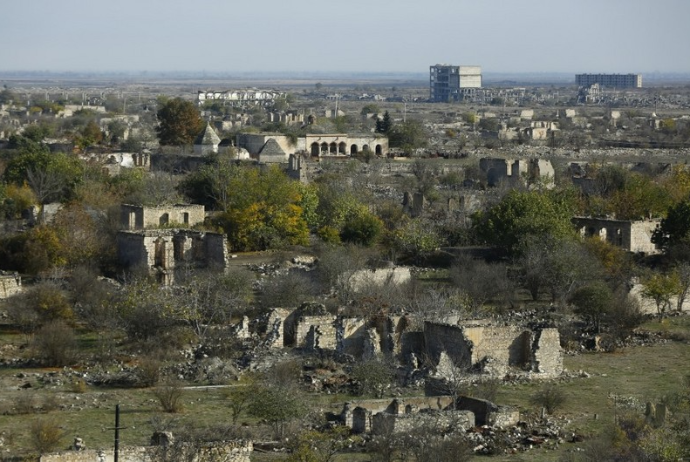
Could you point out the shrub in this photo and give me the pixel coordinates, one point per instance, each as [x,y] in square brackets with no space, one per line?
[149,371]
[549,397]
[55,344]
[45,434]
[169,396]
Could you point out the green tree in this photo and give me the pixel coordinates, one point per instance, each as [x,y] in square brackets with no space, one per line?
[408,136]
[384,125]
[362,228]
[593,301]
[264,211]
[277,406]
[373,376]
[522,214]
[179,122]
[661,288]
[674,230]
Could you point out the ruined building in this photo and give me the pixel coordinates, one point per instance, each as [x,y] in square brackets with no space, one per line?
[452,83]
[495,350]
[10,284]
[517,171]
[633,236]
[165,251]
[140,217]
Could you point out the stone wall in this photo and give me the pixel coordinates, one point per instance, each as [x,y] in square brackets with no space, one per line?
[163,251]
[358,415]
[134,217]
[487,413]
[494,350]
[232,451]
[363,278]
[437,421]
[314,332]
[10,284]
[633,236]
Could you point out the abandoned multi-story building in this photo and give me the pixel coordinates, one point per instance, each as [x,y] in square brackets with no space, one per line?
[609,80]
[239,97]
[133,217]
[453,83]
[633,236]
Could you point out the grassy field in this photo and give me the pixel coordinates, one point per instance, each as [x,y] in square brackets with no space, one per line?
[632,375]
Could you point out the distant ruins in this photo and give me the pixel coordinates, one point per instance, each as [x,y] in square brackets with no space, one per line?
[471,347]
[517,171]
[443,413]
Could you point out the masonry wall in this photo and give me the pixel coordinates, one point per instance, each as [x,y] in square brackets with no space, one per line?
[10,284]
[137,217]
[438,421]
[450,339]
[313,332]
[633,236]
[548,356]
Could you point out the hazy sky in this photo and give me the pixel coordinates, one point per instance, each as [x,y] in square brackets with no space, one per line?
[345,35]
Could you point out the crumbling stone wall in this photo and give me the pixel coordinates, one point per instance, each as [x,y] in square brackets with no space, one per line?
[314,332]
[440,421]
[494,350]
[350,335]
[165,250]
[358,415]
[10,284]
[633,236]
[139,217]
[487,413]
[362,278]
[516,171]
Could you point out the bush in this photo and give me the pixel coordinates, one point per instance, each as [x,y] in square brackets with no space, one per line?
[55,344]
[549,397]
[169,396]
[149,371]
[45,434]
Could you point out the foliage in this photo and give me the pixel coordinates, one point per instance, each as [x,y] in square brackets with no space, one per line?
[675,228]
[524,214]
[238,397]
[316,446]
[169,396]
[373,377]
[14,199]
[408,136]
[555,265]
[264,211]
[46,434]
[276,406]
[592,301]
[362,228]
[384,125]
[550,397]
[660,287]
[415,239]
[179,123]
[478,282]
[56,345]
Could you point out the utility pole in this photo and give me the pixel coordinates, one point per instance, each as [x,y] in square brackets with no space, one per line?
[117,429]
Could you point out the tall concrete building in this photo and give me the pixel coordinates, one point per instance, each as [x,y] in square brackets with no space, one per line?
[609,80]
[451,83]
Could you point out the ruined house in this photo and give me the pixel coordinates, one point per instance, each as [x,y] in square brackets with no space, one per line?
[10,284]
[402,415]
[486,348]
[633,236]
[499,171]
[165,251]
[133,217]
